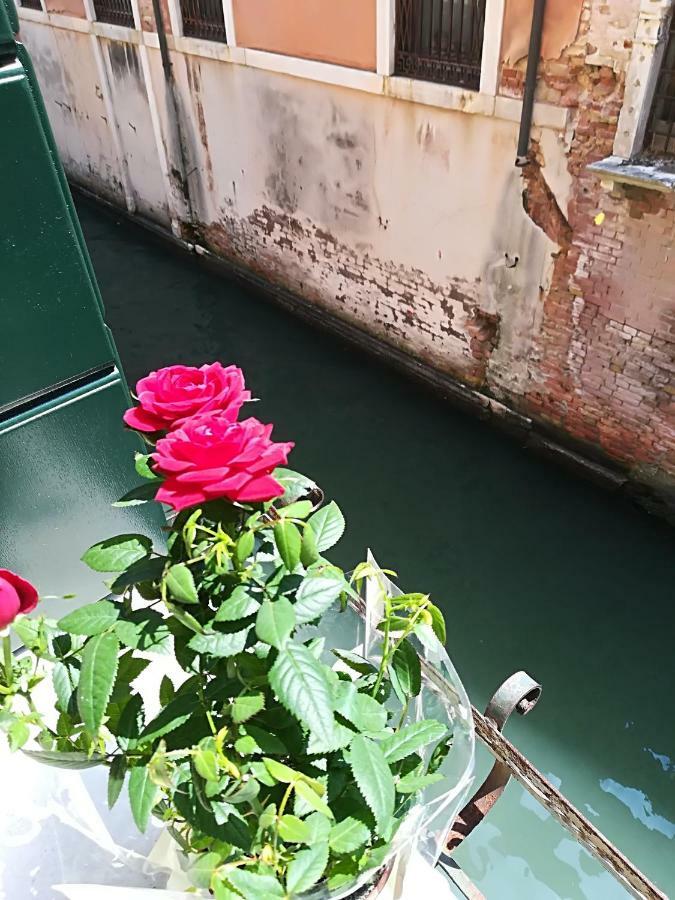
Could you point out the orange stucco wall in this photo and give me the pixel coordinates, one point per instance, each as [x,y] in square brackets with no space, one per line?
[342,33]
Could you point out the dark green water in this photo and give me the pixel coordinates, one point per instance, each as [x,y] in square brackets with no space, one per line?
[533,568]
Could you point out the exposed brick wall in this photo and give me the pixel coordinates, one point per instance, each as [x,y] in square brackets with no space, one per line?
[603,363]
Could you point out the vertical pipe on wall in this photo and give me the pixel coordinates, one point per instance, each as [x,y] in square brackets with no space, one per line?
[533,54]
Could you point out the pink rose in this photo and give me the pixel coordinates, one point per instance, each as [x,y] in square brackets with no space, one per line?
[167,397]
[16,596]
[210,456]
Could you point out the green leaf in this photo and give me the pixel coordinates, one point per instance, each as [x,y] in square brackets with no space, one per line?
[374,779]
[298,510]
[412,783]
[146,630]
[27,630]
[131,722]
[215,643]
[358,663]
[406,670]
[281,772]
[147,569]
[306,868]
[315,595]
[310,796]
[93,619]
[246,706]
[65,760]
[328,525]
[437,622]
[171,717]
[181,584]
[253,886]
[258,740]
[361,710]
[142,465]
[244,547]
[166,691]
[64,679]
[302,686]
[18,734]
[410,738]
[116,554]
[142,796]
[202,869]
[97,677]
[275,622]
[319,827]
[288,541]
[296,485]
[293,830]
[116,775]
[184,617]
[138,495]
[348,835]
[308,552]
[206,763]
[238,605]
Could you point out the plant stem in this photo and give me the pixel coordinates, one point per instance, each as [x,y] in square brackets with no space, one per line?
[9,660]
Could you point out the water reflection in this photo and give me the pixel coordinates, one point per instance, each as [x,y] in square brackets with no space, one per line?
[640,806]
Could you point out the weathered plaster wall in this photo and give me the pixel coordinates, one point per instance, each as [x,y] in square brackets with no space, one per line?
[342,33]
[66,8]
[409,220]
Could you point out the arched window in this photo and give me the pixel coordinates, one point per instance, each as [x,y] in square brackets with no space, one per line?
[660,133]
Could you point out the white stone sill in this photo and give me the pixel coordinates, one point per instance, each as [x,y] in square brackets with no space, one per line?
[422,92]
[614,169]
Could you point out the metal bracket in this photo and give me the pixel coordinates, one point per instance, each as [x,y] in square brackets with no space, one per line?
[520,692]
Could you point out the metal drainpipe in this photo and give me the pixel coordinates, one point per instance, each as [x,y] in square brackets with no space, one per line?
[175,107]
[533,55]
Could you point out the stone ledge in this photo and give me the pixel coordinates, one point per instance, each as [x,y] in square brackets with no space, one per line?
[653,176]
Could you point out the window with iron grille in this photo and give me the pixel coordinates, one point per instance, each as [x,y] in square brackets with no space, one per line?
[204,19]
[660,134]
[31,4]
[440,40]
[115,12]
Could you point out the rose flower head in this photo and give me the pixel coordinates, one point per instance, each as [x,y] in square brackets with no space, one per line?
[16,596]
[170,396]
[210,456]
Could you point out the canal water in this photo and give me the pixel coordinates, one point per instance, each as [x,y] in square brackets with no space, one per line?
[533,568]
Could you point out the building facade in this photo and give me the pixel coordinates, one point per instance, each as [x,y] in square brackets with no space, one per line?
[361,156]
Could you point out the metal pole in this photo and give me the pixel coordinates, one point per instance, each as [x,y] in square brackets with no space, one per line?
[533,55]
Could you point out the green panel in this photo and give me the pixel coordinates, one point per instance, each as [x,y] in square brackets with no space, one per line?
[52,325]
[9,25]
[62,467]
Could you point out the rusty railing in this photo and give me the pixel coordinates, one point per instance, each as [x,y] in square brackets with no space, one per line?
[440,40]
[204,19]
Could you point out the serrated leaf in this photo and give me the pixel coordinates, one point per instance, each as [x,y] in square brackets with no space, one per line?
[316,594]
[18,734]
[319,827]
[252,885]
[142,796]
[146,630]
[295,485]
[206,763]
[306,868]
[374,779]
[410,738]
[281,772]
[257,740]
[328,525]
[412,783]
[361,710]
[309,553]
[65,760]
[64,679]
[246,706]
[90,620]
[275,622]
[219,644]
[406,670]
[171,717]
[97,677]
[181,584]
[288,542]
[238,605]
[117,553]
[348,835]
[304,689]
[166,691]
[116,776]
[356,662]
[437,622]
[310,796]
[145,570]
[293,830]
[131,722]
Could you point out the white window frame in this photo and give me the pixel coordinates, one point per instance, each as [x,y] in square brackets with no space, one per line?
[492,43]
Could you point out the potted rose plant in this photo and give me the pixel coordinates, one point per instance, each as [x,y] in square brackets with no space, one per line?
[281,763]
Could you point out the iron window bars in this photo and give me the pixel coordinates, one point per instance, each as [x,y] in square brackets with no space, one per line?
[31,4]
[115,12]
[659,137]
[440,40]
[204,19]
